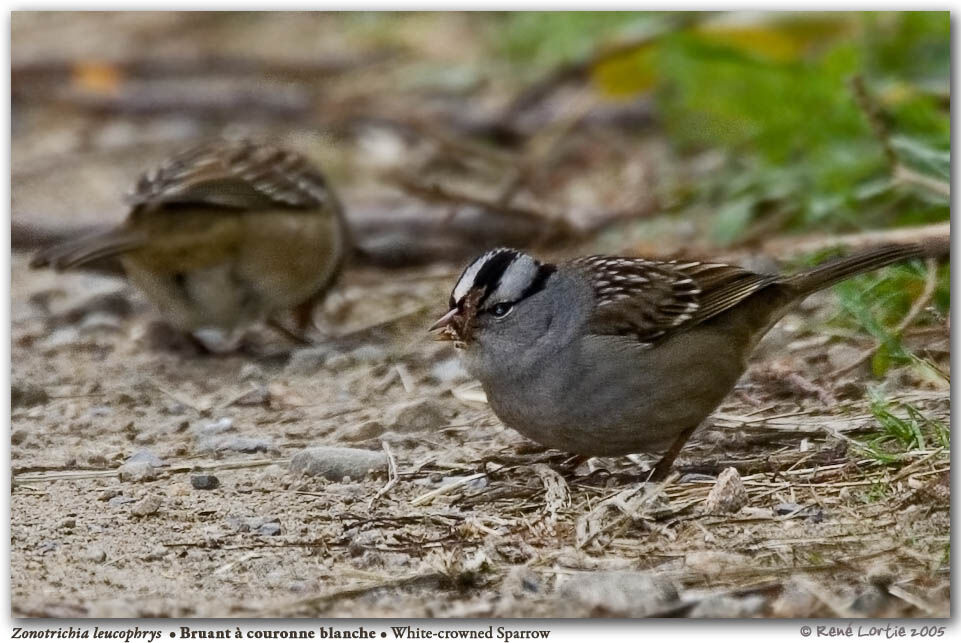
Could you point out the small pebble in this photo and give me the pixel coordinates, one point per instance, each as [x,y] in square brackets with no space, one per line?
[254,523]
[158,553]
[307,361]
[239,443]
[365,431]
[116,501]
[220,426]
[146,456]
[337,362]
[250,371]
[137,472]
[204,481]
[368,354]
[100,322]
[269,529]
[95,554]
[175,408]
[728,494]
[419,415]
[47,546]
[620,593]
[728,607]
[337,463]
[147,506]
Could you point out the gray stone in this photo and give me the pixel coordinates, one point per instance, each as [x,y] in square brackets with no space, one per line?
[625,594]
[157,553]
[250,371]
[204,481]
[728,607]
[61,338]
[365,431]
[239,523]
[419,415]
[100,322]
[336,463]
[240,443]
[175,408]
[146,507]
[48,546]
[308,361]
[137,472]
[116,501]
[269,529]
[368,354]
[259,524]
[728,494]
[215,428]
[95,554]
[338,362]
[145,456]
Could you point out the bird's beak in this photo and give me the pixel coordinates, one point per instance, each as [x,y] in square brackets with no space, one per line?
[444,321]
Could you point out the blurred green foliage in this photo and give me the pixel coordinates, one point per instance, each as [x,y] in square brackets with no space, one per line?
[877,302]
[536,41]
[902,427]
[772,91]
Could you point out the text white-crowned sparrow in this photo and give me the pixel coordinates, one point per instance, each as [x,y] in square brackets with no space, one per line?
[614,355]
[223,235]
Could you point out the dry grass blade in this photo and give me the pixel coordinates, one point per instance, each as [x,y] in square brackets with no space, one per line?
[430,496]
[911,599]
[557,495]
[392,475]
[592,524]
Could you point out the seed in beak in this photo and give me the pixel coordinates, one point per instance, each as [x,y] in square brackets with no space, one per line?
[445,320]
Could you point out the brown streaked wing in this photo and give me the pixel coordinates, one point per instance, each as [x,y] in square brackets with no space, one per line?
[649,300]
[240,174]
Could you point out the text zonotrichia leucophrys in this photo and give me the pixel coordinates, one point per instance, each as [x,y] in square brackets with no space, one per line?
[223,235]
[615,355]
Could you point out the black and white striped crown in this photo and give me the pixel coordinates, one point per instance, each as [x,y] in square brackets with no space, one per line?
[502,275]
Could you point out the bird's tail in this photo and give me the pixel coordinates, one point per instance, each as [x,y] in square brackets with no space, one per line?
[86,250]
[835,270]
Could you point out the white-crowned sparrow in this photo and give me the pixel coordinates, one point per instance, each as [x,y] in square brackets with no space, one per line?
[223,235]
[615,355]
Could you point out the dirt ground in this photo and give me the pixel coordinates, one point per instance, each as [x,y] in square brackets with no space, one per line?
[436,509]
[478,521]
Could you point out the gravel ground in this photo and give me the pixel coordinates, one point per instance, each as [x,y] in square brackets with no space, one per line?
[369,478]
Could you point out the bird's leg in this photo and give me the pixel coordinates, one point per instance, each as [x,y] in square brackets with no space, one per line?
[663,466]
[295,336]
[304,315]
[303,318]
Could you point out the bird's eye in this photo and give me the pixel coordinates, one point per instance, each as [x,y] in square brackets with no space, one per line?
[501,310]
